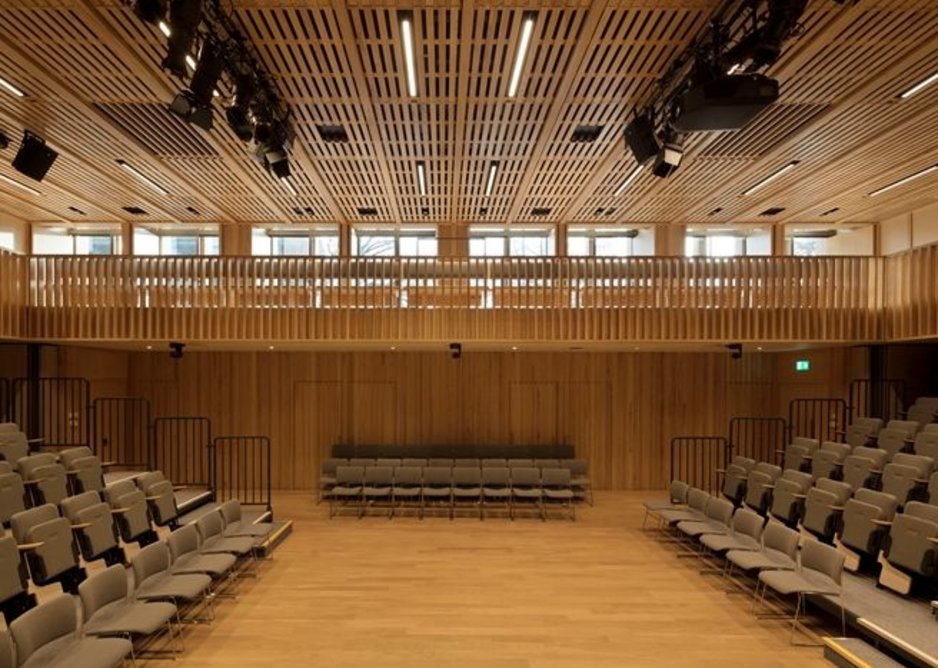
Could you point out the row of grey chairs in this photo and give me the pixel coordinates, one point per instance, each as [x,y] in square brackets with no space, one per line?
[748,544]
[425,487]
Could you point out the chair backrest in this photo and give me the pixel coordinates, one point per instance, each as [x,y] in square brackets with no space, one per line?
[440,461]
[6,650]
[14,447]
[493,462]
[720,510]
[525,476]
[230,511]
[516,462]
[885,502]
[407,475]
[210,525]
[900,480]
[146,481]
[910,544]
[361,461]
[557,477]
[116,490]
[697,499]
[756,490]
[834,449]
[414,461]
[841,490]
[921,413]
[677,491]
[497,476]
[102,588]
[438,476]
[862,430]
[892,441]
[71,455]
[923,465]
[12,496]
[28,465]
[578,467]
[467,462]
[99,535]
[466,476]
[349,475]
[925,511]
[933,488]
[150,561]
[748,523]
[388,461]
[779,538]
[859,529]
[931,428]
[56,553]
[379,475]
[926,443]
[327,466]
[809,444]
[72,505]
[43,624]
[183,540]
[13,579]
[878,456]
[823,559]
[798,479]
[770,470]
[818,517]
[548,463]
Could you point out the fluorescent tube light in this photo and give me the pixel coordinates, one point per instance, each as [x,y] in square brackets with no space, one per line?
[143,178]
[422,178]
[409,60]
[526,29]
[628,180]
[771,177]
[289,186]
[902,182]
[924,83]
[164,28]
[11,88]
[490,183]
[21,186]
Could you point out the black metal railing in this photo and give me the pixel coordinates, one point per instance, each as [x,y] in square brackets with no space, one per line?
[53,409]
[823,418]
[180,448]
[877,398]
[697,459]
[6,410]
[121,430]
[760,438]
[241,469]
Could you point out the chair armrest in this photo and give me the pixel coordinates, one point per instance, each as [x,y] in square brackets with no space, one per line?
[933,539]
[35,440]
[153,498]
[29,546]
[836,509]
[921,481]
[800,496]
[177,488]
[882,523]
[31,482]
[769,486]
[119,511]
[721,470]
[779,452]
[79,527]
[104,465]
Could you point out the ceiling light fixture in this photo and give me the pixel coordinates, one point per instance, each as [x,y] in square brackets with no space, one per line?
[422,178]
[143,178]
[289,186]
[21,186]
[490,183]
[184,19]
[527,28]
[771,177]
[924,83]
[903,181]
[628,180]
[6,85]
[164,28]
[407,33]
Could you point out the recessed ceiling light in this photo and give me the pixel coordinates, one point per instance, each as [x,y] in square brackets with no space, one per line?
[771,177]
[10,88]
[490,182]
[514,348]
[407,34]
[393,348]
[422,177]
[924,83]
[21,186]
[164,28]
[527,28]
[190,61]
[143,178]
[270,347]
[628,180]
[149,347]
[903,181]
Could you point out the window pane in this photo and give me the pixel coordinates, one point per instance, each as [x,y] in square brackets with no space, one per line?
[804,246]
[7,240]
[180,245]
[290,246]
[724,246]
[146,243]
[613,246]
[376,245]
[494,246]
[529,246]
[578,245]
[52,244]
[260,243]
[693,246]
[409,246]
[326,244]
[93,245]
[426,246]
[210,246]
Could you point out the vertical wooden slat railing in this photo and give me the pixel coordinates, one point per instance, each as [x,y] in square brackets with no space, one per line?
[600,299]
[911,294]
[14,295]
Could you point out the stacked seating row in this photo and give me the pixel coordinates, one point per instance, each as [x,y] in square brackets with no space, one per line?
[451,451]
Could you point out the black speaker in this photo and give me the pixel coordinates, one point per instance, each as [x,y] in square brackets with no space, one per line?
[34,158]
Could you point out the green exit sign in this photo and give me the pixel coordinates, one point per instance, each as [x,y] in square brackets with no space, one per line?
[802,365]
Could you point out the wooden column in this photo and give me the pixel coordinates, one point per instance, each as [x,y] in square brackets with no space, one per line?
[669,240]
[778,240]
[235,239]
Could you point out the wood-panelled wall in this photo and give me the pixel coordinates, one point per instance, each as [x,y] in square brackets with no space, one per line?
[911,294]
[13,295]
[620,410]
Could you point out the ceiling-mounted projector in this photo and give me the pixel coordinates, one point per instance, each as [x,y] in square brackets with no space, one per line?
[725,103]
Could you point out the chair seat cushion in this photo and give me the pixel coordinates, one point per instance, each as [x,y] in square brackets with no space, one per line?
[675,515]
[237,529]
[560,494]
[436,491]
[749,560]
[71,652]
[496,492]
[240,545]
[122,617]
[526,493]
[467,491]
[164,586]
[790,582]
[211,564]
[724,542]
[695,528]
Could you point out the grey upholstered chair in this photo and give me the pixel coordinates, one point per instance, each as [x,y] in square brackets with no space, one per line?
[788,495]
[828,461]
[697,500]
[377,487]
[50,551]
[408,479]
[779,551]
[437,488]
[745,534]
[154,581]
[862,431]
[718,517]
[347,488]
[557,490]
[824,507]
[799,452]
[184,547]
[906,476]
[677,499]
[911,549]
[47,635]
[863,466]
[496,486]
[230,512]
[866,521]
[85,470]
[161,498]
[94,527]
[12,496]
[45,479]
[15,598]
[129,506]
[759,486]
[734,478]
[526,489]
[467,488]
[13,447]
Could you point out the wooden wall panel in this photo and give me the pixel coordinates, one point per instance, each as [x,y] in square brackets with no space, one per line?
[620,410]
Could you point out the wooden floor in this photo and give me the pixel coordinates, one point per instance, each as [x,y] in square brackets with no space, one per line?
[495,593]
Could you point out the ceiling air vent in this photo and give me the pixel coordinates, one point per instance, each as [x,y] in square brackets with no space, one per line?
[540,211]
[586,134]
[135,210]
[772,211]
[367,211]
[75,209]
[193,210]
[717,210]
[830,211]
[332,134]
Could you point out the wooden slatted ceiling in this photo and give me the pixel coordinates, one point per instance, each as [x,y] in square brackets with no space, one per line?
[91,69]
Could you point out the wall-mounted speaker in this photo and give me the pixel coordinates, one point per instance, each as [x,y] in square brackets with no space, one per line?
[34,158]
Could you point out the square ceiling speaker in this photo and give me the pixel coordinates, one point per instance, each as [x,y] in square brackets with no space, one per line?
[34,158]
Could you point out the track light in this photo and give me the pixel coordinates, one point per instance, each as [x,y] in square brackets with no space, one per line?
[195,105]
[628,180]
[771,177]
[527,28]
[238,113]
[490,182]
[184,19]
[150,11]
[903,181]
[422,178]
[407,36]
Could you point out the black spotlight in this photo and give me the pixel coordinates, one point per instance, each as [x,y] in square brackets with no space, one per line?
[4,141]
[207,72]
[668,159]
[455,350]
[263,133]
[175,350]
[184,19]
[736,350]
[150,11]
[238,114]
[640,138]
[279,163]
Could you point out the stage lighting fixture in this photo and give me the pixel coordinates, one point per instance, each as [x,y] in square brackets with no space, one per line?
[263,133]
[640,138]
[150,11]
[668,159]
[184,19]
[207,72]
[238,114]
[736,350]
[175,350]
